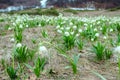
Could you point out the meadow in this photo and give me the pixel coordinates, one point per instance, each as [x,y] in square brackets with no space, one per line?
[41,47]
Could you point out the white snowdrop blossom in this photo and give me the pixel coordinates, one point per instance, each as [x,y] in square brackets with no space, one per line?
[111,30]
[67,33]
[20,26]
[98,22]
[58,26]
[85,24]
[9,28]
[12,40]
[42,48]
[14,24]
[91,26]
[80,30]
[77,35]
[92,39]
[18,45]
[59,31]
[71,23]
[95,29]
[67,28]
[74,27]
[61,28]
[27,26]
[104,37]
[97,34]
[72,33]
[101,29]
[48,20]
[39,25]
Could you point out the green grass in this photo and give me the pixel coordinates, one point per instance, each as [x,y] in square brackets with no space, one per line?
[114,9]
[69,41]
[71,11]
[39,64]
[102,53]
[12,73]
[80,44]
[18,34]
[3,33]
[51,11]
[23,54]
[99,75]
[2,20]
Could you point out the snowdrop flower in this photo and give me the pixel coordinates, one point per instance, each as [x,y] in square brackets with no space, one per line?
[67,28]
[98,22]
[91,26]
[20,26]
[95,29]
[39,25]
[58,26]
[72,33]
[111,30]
[92,39]
[77,35]
[59,31]
[67,34]
[71,23]
[60,14]
[97,34]
[14,24]
[80,30]
[74,27]
[12,40]
[9,28]
[61,28]
[100,28]
[26,25]
[104,37]
[18,45]
[47,20]
[85,24]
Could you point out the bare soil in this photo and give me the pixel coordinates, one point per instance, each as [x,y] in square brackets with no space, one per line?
[95,13]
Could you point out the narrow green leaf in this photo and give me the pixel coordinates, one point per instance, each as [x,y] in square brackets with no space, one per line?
[99,75]
[28,66]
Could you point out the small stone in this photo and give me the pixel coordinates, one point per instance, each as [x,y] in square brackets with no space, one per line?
[116,54]
[43,51]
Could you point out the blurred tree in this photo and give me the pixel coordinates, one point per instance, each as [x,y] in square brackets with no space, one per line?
[6,2]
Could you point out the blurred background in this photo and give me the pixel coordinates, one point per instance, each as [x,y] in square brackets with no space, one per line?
[14,5]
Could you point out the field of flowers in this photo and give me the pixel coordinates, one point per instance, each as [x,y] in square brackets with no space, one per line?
[60,48]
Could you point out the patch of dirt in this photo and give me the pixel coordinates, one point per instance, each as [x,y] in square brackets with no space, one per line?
[95,13]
